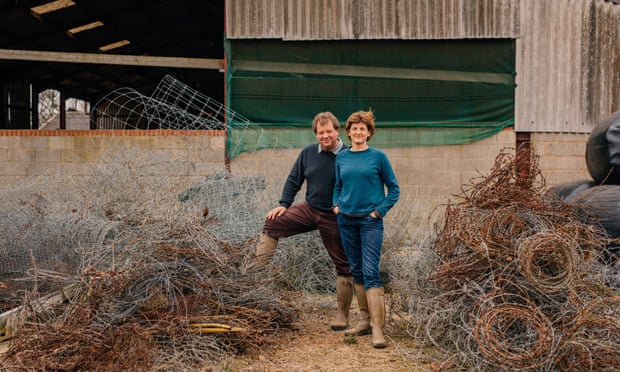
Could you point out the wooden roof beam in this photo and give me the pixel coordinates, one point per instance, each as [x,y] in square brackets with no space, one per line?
[112,59]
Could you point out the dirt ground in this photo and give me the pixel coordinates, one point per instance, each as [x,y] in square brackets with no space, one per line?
[314,347]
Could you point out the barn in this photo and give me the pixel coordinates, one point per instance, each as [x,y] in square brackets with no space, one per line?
[451,82]
[137,135]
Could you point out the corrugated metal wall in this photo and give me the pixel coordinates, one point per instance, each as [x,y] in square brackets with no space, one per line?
[568,51]
[568,65]
[371,19]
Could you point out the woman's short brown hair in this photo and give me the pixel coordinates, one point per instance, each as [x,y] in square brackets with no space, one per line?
[365,117]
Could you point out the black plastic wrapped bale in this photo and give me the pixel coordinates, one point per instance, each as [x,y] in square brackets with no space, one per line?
[603,151]
[604,204]
[567,191]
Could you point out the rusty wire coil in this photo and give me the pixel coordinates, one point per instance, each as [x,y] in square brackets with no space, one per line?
[593,341]
[584,292]
[465,228]
[458,233]
[511,332]
[502,228]
[454,273]
[592,240]
[518,271]
[549,261]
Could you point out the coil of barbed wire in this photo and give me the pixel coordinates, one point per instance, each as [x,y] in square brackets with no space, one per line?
[511,331]
[593,341]
[549,260]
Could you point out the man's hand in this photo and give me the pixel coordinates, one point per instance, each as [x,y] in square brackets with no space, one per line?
[276,212]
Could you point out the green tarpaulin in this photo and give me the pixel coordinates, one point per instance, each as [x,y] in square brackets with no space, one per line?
[430,92]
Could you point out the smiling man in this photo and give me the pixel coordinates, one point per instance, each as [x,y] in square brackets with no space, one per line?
[315,166]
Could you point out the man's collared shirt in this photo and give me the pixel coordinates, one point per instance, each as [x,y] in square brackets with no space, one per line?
[336,149]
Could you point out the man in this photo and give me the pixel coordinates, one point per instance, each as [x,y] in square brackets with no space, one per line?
[314,165]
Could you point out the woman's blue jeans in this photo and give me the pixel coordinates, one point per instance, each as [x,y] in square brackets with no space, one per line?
[362,238]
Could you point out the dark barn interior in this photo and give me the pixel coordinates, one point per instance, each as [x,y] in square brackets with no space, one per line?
[87,48]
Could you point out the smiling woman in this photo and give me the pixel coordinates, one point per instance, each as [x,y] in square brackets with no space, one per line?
[363,174]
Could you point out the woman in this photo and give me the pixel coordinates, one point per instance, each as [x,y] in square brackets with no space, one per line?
[360,202]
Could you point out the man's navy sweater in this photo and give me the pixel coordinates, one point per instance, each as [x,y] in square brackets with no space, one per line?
[318,170]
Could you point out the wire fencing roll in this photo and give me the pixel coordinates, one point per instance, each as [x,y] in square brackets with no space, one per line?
[40,231]
[172,105]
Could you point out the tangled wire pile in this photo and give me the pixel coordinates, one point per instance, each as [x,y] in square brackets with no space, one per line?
[517,278]
[174,297]
[154,267]
[157,276]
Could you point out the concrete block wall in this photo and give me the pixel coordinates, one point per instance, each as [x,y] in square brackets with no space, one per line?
[562,156]
[74,120]
[429,177]
[36,153]
[437,170]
